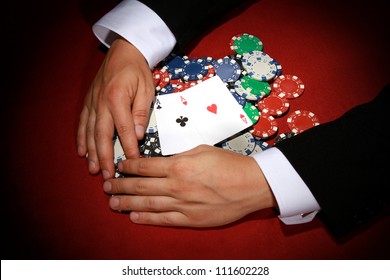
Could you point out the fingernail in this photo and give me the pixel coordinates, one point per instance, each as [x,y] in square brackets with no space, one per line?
[114,202]
[120,166]
[139,131]
[106,174]
[107,186]
[91,165]
[134,217]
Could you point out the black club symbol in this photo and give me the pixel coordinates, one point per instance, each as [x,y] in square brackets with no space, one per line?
[182,120]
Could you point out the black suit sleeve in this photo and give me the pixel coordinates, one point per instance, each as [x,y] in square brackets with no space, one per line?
[343,162]
[189,19]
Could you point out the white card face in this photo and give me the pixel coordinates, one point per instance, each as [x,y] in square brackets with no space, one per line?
[176,129]
[216,113]
[207,111]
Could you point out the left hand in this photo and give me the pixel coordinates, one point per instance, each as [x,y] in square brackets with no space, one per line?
[203,187]
[118,98]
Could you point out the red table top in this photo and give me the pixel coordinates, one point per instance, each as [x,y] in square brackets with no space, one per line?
[54,209]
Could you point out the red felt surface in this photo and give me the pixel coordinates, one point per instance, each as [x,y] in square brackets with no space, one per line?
[52,208]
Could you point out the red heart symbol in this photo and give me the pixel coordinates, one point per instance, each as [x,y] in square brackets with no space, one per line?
[243,118]
[212,108]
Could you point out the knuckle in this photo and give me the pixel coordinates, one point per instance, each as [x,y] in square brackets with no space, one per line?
[112,94]
[166,220]
[131,153]
[99,134]
[125,165]
[141,114]
[90,130]
[142,167]
[140,188]
[122,129]
[203,147]
[151,203]
[178,166]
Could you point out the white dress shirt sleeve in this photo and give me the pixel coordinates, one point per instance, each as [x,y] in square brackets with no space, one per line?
[139,25]
[296,203]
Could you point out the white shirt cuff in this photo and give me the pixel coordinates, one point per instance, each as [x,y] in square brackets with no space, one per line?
[139,25]
[296,203]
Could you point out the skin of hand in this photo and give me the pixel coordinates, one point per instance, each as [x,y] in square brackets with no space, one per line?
[120,97]
[204,187]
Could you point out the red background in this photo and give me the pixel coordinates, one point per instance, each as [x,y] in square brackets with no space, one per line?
[52,208]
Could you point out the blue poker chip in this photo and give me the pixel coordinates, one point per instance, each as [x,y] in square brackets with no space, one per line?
[168,58]
[167,89]
[278,69]
[209,60]
[175,67]
[227,69]
[194,69]
[240,99]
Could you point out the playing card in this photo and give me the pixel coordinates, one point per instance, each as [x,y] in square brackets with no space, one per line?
[204,114]
[177,132]
[215,111]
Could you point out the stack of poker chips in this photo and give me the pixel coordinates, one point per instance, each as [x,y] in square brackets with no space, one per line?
[255,80]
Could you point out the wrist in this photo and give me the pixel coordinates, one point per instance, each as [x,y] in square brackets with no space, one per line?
[263,196]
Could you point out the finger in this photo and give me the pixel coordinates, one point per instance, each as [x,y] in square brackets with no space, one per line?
[93,161]
[104,132]
[124,125]
[138,186]
[81,132]
[151,167]
[159,219]
[141,106]
[142,203]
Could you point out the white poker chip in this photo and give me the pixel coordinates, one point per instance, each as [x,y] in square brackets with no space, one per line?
[242,144]
[119,154]
[152,124]
[259,65]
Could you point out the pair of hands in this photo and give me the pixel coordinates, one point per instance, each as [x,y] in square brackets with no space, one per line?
[203,187]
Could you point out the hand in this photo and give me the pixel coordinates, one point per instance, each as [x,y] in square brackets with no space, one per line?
[204,187]
[119,97]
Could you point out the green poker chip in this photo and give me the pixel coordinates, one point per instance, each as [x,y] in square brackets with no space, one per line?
[252,112]
[246,43]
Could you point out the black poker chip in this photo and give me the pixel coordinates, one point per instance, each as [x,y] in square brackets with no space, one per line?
[151,146]
[284,136]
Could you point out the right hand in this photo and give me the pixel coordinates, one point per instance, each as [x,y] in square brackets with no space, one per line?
[119,98]
[203,187]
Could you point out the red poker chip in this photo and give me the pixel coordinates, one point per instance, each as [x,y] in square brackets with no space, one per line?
[290,85]
[232,40]
[164,78]
[177,82]
[301,120]
[274,105]
[179,88]
[210,72]
[265,127]
[156,76]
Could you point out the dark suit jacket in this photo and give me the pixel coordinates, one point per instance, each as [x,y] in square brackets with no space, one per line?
[347,179]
